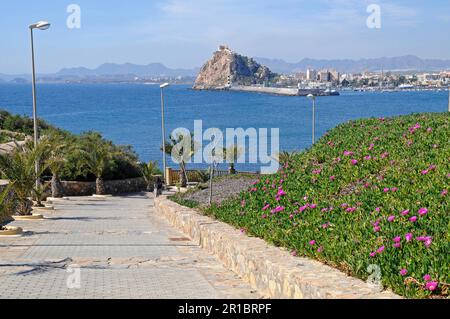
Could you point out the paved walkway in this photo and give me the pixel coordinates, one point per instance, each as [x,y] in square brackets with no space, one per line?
[118,247]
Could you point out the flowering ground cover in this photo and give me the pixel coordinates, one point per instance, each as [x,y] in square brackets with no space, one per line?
[370,192]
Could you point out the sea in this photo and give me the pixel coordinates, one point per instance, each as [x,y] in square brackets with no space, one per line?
[130,114]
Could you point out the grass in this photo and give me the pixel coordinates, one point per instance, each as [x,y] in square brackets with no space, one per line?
[370,192]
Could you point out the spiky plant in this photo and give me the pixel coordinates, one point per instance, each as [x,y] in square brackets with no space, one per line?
[97,156]
[19,168]
[149,170]
[181,148]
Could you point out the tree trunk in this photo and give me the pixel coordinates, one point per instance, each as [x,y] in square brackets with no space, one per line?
[100,186]
[24,207]
[183,179]
[57,188]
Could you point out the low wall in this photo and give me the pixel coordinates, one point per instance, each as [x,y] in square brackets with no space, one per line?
[123,186]
[270,270]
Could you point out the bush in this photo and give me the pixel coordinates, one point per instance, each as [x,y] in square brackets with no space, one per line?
[370,192]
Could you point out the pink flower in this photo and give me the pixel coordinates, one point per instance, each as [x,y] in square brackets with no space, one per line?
[278,209]
[397,239]
[397,245]
[427,277]
[354,162]
[326,225]
[294,253]
[313,206]
[413,219]
[243,203]
[266,207]
[351,209]
[371,147]
[348,153]
[344,205]
[372,254]
[367,158]
[264,216]
[428,242]
[281,193]
[332,178]
[380,250]
[425,172]
[312,242]
[384,155]
[423,211]
[403,272]
[431,285]
[444,192]
[409,237]
[394,189]
[405,212]
[320,249]
[376,229]
[391,219]
[429,130]
[291,216]
[378,209]
[386,189]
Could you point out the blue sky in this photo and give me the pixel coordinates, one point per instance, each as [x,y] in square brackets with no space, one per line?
[183,33]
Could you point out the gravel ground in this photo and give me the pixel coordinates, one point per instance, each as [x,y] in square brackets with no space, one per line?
[223,188]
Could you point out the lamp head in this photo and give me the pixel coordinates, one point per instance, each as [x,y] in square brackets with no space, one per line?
[162,86]
[41,25]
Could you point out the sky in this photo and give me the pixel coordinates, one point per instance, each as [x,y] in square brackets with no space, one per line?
[184,33]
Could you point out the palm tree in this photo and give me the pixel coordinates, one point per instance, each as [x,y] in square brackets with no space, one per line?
[231,155]
[58,147]
[181,153]
[5,203]
[19,168]
[97,155]
[149,170]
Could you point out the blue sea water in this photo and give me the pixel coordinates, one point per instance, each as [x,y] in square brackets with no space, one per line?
[131,114]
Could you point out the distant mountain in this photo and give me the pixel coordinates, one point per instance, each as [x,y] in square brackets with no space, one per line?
[111,69]
[402,63]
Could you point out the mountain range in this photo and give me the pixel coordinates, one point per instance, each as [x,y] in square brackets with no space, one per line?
[128,70]
[401,63]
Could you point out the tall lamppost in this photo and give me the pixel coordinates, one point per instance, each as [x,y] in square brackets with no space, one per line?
[313,98]
[162,86]
[41,25]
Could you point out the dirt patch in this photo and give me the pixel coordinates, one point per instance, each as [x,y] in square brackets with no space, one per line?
[223,189]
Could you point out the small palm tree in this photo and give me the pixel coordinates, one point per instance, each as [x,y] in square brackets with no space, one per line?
[181,153]
[57,150]
[231,156]
[149,170]
[97,155]
[19,168]
[5,203]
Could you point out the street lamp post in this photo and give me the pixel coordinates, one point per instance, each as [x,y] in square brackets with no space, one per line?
[162,86]
[313,98]
[41,25]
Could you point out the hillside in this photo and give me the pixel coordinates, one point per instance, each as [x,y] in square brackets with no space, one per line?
[371,192]
[227,67]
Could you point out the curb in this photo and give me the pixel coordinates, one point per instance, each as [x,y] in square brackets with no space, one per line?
[268,269]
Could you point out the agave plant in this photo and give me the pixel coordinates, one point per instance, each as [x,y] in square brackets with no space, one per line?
[19,168]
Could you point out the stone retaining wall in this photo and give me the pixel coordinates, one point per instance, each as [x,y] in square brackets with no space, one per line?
[270,270]
[122,186]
